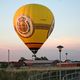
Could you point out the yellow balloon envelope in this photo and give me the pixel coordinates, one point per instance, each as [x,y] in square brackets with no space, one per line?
[33,24]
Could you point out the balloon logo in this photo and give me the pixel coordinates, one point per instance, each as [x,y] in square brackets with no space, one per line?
[33,24]
[24,26]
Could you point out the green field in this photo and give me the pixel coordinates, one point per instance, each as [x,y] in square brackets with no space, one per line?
[12,75]
[35,73]
[23,74]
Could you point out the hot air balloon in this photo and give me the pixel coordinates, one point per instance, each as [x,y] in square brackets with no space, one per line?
[33,24]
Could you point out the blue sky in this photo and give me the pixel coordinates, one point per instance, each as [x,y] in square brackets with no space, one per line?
[66,31]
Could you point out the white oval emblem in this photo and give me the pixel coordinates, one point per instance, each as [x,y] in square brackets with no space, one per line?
[24,26]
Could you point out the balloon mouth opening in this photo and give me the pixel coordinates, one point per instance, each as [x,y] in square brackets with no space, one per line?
[34,50]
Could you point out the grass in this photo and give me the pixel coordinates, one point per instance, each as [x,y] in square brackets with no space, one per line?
[12,75]
[26,73]
[20,74]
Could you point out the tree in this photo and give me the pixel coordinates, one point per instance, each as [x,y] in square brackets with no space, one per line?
[22,59]
[44,58]
[37,58]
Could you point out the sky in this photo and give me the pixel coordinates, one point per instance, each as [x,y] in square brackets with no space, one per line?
[66,30]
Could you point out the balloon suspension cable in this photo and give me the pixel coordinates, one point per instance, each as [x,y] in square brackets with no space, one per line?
[34,53]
